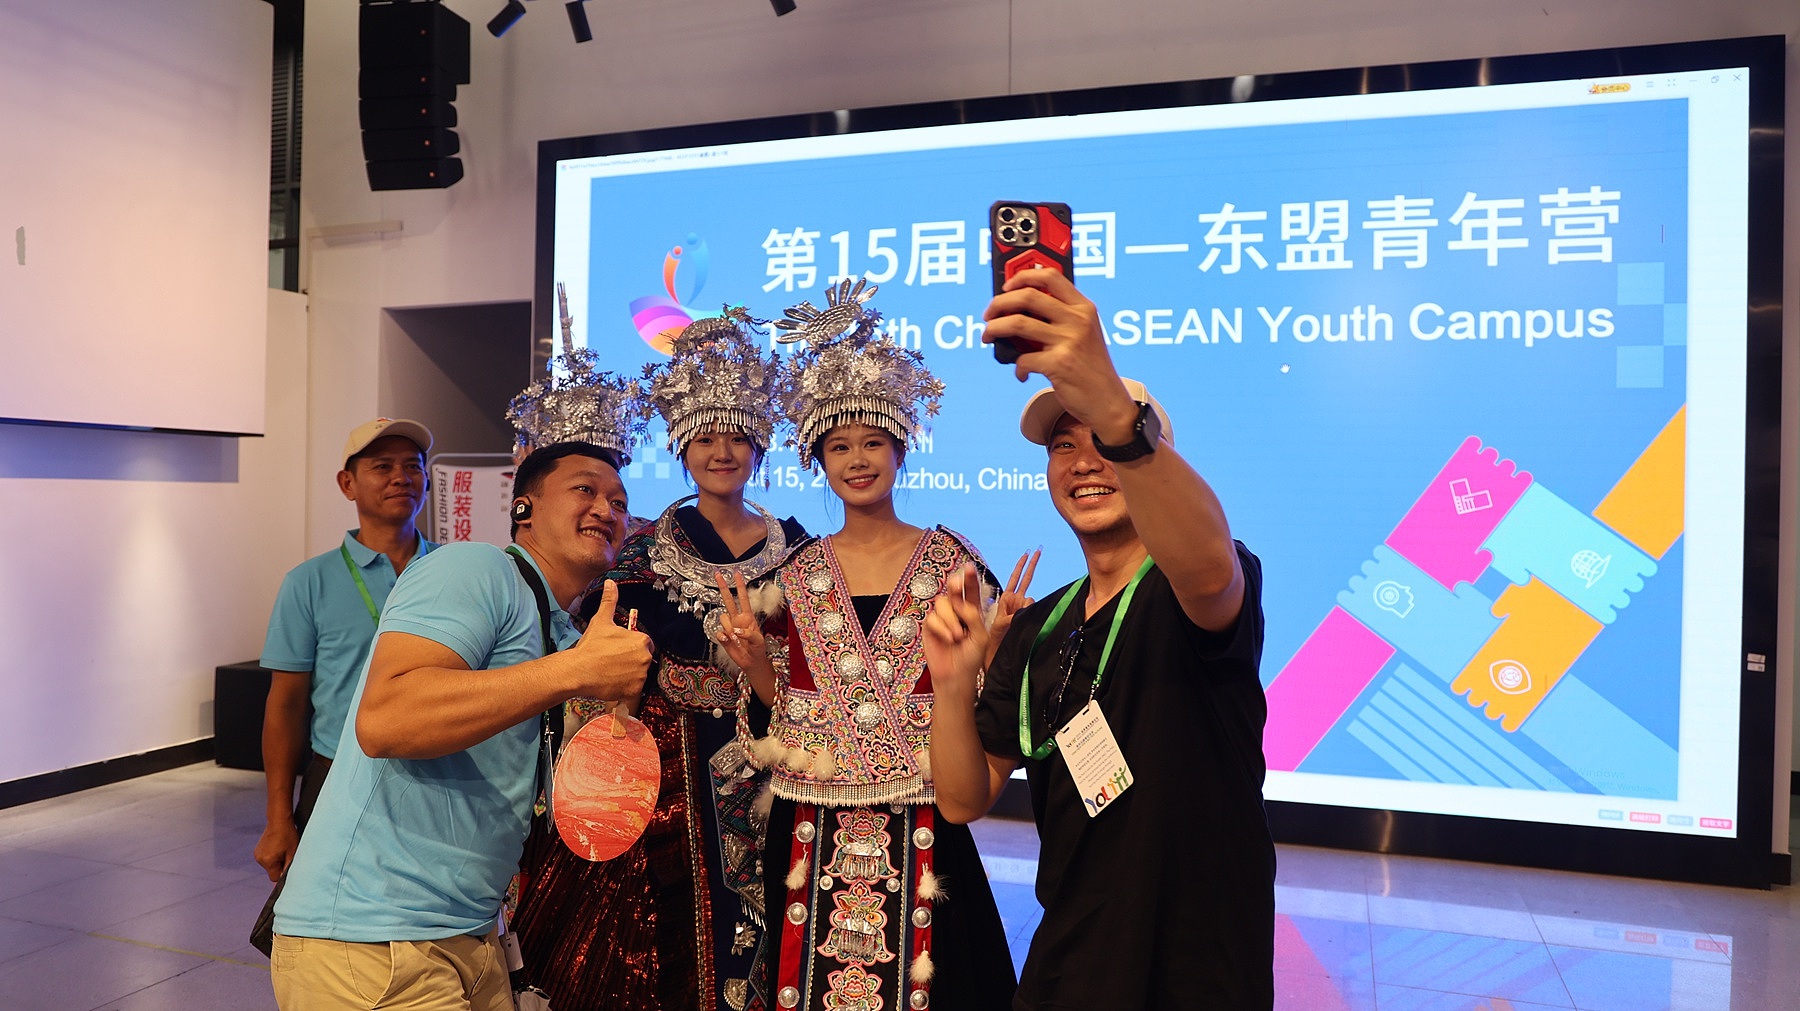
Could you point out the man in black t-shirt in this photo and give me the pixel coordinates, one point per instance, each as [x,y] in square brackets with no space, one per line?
[1131,697]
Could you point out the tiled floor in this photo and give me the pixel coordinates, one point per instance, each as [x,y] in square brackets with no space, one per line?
[137,897]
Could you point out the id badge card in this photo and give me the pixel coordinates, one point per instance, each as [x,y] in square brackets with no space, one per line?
[1094,759]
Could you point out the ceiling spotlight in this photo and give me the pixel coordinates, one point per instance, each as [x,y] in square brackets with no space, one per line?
[508,16]
[578,21]
[782,6]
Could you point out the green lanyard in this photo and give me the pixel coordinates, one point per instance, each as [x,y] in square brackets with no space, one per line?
[1043,751]
[361,587]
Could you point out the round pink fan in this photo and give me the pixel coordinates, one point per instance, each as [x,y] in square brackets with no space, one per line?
[605,788]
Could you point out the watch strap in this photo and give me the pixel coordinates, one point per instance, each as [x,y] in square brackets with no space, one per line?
[1143,438]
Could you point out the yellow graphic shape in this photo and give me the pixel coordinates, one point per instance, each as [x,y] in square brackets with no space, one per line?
[1539,640]
[1645,507]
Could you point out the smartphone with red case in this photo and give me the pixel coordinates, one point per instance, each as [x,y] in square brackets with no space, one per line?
[1028,236]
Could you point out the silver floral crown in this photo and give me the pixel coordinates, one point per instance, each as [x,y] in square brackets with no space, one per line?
[849,373]
[717,378]
[577,401]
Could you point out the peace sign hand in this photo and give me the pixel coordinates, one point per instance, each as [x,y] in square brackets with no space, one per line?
[1012,600]
[739,630]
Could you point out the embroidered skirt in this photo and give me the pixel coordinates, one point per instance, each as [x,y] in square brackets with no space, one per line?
[856,895]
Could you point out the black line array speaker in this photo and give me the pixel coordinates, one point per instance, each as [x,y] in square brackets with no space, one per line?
[413,55]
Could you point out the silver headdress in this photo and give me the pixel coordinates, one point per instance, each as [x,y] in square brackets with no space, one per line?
[717,377]
[849,373]
[577,401]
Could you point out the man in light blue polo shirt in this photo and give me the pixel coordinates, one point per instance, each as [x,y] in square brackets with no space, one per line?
[392,898]
[324,622]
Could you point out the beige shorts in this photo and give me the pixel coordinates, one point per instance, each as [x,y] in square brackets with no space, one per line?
[452,974]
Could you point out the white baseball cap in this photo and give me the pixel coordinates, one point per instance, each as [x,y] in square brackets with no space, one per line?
[369,431]
[1038,420]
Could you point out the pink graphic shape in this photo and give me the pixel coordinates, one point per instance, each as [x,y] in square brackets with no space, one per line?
[654,316]
[1312,692]
[1306,981]
[1443,531]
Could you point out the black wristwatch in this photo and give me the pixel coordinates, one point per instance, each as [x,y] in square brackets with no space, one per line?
[1143,438]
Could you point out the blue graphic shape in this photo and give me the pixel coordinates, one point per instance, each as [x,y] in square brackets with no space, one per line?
[1621,981]
[646,463]
[1427,736]
[1433,961]
[1376,733]
[1416,615]
[1573,553]
[1639,368]
[1675,317]
[1640,283]
[1428,761]
[1478,736]
[1601,744]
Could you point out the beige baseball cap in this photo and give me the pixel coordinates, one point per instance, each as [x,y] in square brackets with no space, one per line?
[368,432]
[1038,419]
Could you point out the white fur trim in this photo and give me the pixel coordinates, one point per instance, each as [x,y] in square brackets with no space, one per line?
[766,599]
[931,887]
[767,751]
[765,800]
[923,758]
[796,879]
[797,760]
[922,969]
[715,653]
[824,766]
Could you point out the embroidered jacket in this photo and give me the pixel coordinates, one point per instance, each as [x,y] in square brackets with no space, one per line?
[852,714]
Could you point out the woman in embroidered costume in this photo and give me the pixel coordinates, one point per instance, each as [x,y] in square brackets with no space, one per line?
[873,902]
[676,921]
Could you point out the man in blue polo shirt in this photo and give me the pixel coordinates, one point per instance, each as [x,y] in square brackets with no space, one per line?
[324,622]
[392,899]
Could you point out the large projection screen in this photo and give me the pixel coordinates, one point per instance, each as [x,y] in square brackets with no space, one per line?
[1466,349]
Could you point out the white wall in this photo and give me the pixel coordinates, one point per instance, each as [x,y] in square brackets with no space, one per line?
[136,562]
[674,62]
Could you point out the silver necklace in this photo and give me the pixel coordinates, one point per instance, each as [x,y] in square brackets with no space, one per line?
[691,581]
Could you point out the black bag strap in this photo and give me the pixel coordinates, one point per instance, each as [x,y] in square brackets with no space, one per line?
[550,740]
[537,590]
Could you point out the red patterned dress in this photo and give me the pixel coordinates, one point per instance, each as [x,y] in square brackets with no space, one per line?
[874,902]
